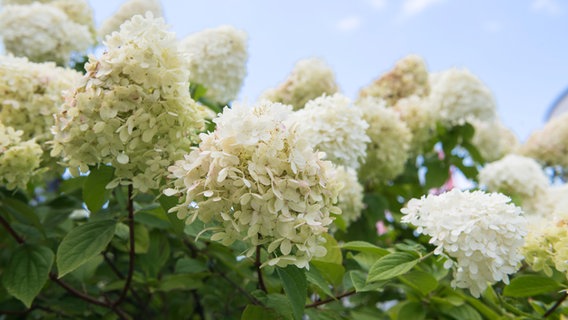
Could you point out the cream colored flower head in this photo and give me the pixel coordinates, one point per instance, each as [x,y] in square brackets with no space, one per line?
[350,197]
[255,179]
[458,97]
[217,60]
[419,117]
[493,140]
[31,93]
[309,79]
[42,32]
[481,234]
[389,148]
[126,11]
[19,159]
[408,77]
[549,145]
[132,109]
[332,124]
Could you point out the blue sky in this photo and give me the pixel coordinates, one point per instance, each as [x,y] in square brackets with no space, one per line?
[519,48]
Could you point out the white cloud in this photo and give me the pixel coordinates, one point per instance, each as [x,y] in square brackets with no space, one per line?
[378,4]
[415,7]
[492,26]
[349,23]
[551,7]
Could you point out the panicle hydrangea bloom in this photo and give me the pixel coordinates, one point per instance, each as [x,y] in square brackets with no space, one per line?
[493,140]
[255,179]
[309,79]
[42,32]
[458,97]
[550,144]
[418,115]
[480,233]
[31,93]
[126,11]
[408,77]
[132,109]
[217,60]
[516,176]
[334,126]
[350,199]
[18,159]
[79,11]
[389,148]
[545,244]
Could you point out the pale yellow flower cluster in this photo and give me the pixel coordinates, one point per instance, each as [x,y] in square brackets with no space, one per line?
[550,144]
[309,79]
[350,197]
[419,116]
[493,140]
[389,148]
[47,31]
[126,11]
[18,159]
[335,126]
[408,77]
[31,93]
[132,109]
[217,60]
[255,179]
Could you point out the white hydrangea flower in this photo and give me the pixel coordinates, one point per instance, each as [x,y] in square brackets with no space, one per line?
[480,233]
[516,176]
[419,116]
[389,148]
[19,159]
[545,244]
[309,79]
[550,144]
[79,11]
[126,11]
[255,179]
[350,197]
[31,93]
[217,60]
[333,125]
[493,140]
[132,109]
[42,32]
[458,97]
[408,77]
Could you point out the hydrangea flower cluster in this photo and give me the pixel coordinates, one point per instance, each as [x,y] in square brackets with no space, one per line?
[458,97]
[408,77]
[419,116]
[390,141]
[480,233]
[132,109]
[350,199]
[516,176]
[18,159]
[550,144]
[43,32]
[255,179]
[309,79]
[333,125]
[126,11]
[545,244]
[493,140]
[31,93]
[217,60]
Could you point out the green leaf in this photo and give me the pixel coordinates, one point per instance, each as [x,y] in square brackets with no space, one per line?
[437,174]
[179,282]
[158,254]
[392,265]
[83,243]
[424,282]
[167,203]
[188,265]
[331,272]
[314,277]
[197,91]
[295,287]
[253,312]
[531,285]
[95,193]
[333,254]
[465,311]
[22,212]
[358,279]
[363,246]
[27,272]
[412,310]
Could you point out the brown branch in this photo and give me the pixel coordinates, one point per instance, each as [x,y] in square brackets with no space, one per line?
[12,232]
[257,264]
[241,290]
[131,252]
[77,293]
[319,303]
[556,305]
